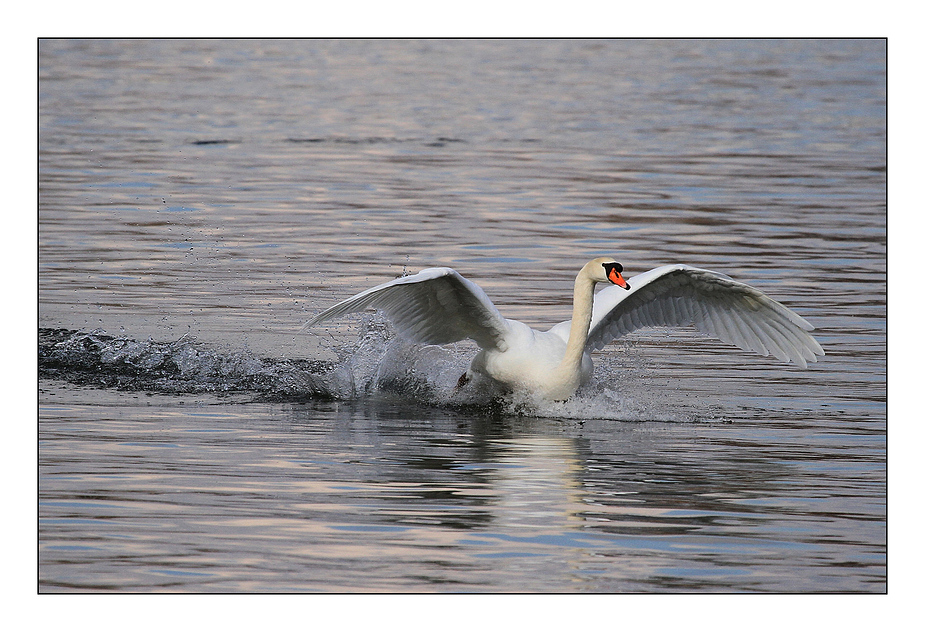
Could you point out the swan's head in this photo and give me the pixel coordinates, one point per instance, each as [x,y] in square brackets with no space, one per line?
[606,270]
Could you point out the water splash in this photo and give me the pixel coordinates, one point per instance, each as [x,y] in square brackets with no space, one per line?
[95,358]
[378,364]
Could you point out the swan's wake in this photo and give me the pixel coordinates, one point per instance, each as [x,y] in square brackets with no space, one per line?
[379,367]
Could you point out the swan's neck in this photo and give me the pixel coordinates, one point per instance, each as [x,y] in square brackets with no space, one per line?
[582,302]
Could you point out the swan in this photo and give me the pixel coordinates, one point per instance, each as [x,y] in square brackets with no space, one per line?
[440,306]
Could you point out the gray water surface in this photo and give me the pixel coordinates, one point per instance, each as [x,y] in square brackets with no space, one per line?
[200,200]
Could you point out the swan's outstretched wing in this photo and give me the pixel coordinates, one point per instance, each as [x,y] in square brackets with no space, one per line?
[434,306]
[677,295]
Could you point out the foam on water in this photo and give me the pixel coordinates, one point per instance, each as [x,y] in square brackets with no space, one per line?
[378,364]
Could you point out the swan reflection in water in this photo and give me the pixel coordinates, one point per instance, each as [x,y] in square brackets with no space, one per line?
[550,516]
[537,484]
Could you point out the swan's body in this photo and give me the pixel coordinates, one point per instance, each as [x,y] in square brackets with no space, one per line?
[439,306]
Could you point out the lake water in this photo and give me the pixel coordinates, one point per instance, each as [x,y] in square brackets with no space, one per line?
[200,200]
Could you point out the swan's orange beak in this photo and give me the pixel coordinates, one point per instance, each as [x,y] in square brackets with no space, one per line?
[617,279]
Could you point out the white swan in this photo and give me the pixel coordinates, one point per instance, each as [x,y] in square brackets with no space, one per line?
[438,306]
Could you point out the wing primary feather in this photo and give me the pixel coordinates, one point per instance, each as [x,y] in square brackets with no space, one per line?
[731,327]
[790,339]
[798,340]
[741,328]
[708,325]
[795,338]
[759,342]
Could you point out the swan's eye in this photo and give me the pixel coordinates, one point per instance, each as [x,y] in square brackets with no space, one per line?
[612,265]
